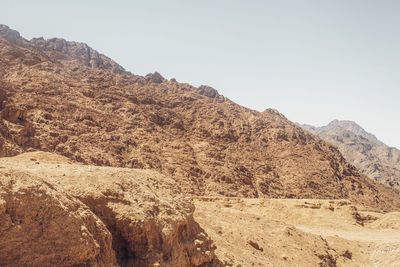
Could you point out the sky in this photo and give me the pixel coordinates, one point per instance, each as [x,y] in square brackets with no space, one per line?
[312,60]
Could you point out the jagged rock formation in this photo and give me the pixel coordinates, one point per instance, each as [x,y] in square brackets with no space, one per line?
[55,213]
[79,51]
[207,143]
[362,149]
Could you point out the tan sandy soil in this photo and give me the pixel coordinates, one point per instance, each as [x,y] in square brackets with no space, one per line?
[287,232]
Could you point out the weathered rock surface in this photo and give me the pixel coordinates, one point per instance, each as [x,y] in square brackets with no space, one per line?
[57,48]
[362,149]
[207,143]
[54,213]
[41,226]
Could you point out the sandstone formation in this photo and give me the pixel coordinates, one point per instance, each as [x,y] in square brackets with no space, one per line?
[362,149]
[55,213]
[60,99]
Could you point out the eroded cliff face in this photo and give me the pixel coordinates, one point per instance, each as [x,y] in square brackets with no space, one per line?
[208,144]
[41,226]
[57,213]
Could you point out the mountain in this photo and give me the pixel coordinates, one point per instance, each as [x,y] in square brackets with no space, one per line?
[362,149]
[66,98]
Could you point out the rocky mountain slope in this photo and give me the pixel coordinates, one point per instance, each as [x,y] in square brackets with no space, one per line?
[57,213]
[362,149]
[64,97]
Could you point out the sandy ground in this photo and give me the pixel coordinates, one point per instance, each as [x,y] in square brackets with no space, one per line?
[274,232]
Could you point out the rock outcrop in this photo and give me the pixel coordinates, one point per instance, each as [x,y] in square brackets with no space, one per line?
[41,226]
[55,213]
[210,92]
[58,48]
[154,77]
[362,149]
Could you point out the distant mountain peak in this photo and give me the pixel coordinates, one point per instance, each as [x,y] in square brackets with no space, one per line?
[362,149]
[353,127]
[344,124]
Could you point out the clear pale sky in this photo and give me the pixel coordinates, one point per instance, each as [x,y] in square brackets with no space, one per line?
[313,60]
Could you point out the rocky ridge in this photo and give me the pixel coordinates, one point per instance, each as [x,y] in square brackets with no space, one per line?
[57,48]
[362,149]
